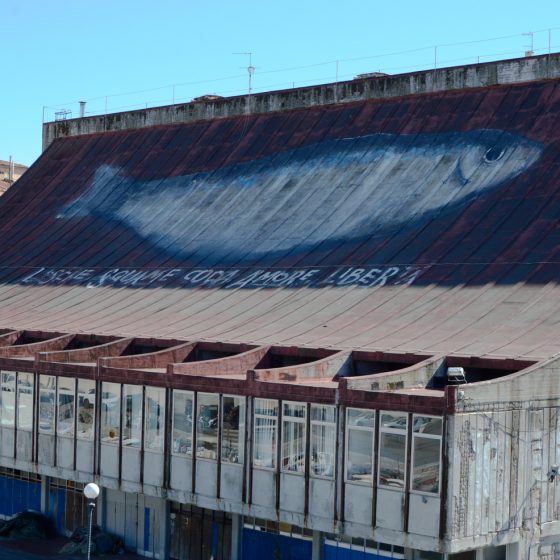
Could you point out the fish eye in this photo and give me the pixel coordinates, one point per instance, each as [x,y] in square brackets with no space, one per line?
[494,154]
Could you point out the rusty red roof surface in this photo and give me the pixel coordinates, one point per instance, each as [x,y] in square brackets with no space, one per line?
[424,224]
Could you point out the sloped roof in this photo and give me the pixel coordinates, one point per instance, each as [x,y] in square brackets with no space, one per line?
[421,224]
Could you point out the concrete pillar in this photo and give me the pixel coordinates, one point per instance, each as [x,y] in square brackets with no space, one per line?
[165,532]
[101,508]
[408,554]
[45,482]
[513,552]
[318,545]
[236,535]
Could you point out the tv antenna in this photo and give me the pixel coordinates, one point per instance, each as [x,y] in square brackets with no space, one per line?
[250,68]
[531,50]
[250,71]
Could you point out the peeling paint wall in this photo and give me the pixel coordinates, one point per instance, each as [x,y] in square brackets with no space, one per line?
[499,488]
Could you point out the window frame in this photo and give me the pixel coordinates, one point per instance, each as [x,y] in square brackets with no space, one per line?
[421,435]
[241,427]
[19,391]
[370,429]
[52,391]
[61,390]
[297,421]
[403,432]
[214,400]
[188,394]
[273,419]
[161,417]
[326,424]
[108,439]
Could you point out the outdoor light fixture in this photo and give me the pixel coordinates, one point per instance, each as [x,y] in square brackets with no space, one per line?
[91,492]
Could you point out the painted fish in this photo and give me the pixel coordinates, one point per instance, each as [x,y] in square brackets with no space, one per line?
[336,190]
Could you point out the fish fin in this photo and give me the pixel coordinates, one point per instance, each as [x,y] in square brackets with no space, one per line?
[104,182]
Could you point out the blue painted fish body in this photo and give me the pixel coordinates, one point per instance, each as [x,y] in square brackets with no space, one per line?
[336,190]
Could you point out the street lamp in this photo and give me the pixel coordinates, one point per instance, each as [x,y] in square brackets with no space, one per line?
[91,492]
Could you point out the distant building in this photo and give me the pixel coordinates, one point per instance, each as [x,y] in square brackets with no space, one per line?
[10,172]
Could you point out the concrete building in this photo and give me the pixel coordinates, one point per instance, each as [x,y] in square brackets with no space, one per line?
[11,171]
[324,329]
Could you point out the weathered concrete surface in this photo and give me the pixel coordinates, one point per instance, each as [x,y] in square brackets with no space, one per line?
[441,79]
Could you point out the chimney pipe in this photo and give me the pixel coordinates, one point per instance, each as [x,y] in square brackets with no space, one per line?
[11,170]
[82,109]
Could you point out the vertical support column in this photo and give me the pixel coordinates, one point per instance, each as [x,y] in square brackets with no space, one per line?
[101,508]
[164,531]
[45,483]
[236,535]
[513,552]
[318,546]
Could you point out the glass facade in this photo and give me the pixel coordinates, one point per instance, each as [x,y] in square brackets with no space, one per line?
[66,402]
[154,422]
[233,429]
[265,433]
[67,407]
[110,412]
[359,445]
[25,401]
[293,437]
[86,409]
[323,440]
[132,415]
[47,403]
[207,425]
[8,398]
[183,403]
[392,449]
[426,454]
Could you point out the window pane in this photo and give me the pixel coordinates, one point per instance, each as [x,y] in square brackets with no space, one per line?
[182,422]
[86,408]
[392,450]
[66,406]
[233,429]
[356,417]
[8,398]
[428,425]
[47,392]
[394,421]
[132,415]
[155,418]
[110,412]
[323,413]
[25,401]
[266,407]
[425,468]
[294,410]
[265,442]
[359,457]
[207,426]
[323,441]
[293,448]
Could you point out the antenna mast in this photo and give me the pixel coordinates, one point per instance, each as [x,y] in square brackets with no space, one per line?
[250,71]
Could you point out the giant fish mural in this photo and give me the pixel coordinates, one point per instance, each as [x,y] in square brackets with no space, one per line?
[335,191]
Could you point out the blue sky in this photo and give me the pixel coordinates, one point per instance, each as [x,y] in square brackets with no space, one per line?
[125,54]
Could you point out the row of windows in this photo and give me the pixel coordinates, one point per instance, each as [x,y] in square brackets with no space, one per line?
[209,425]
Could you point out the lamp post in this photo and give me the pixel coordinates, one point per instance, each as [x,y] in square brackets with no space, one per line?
[91,492]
